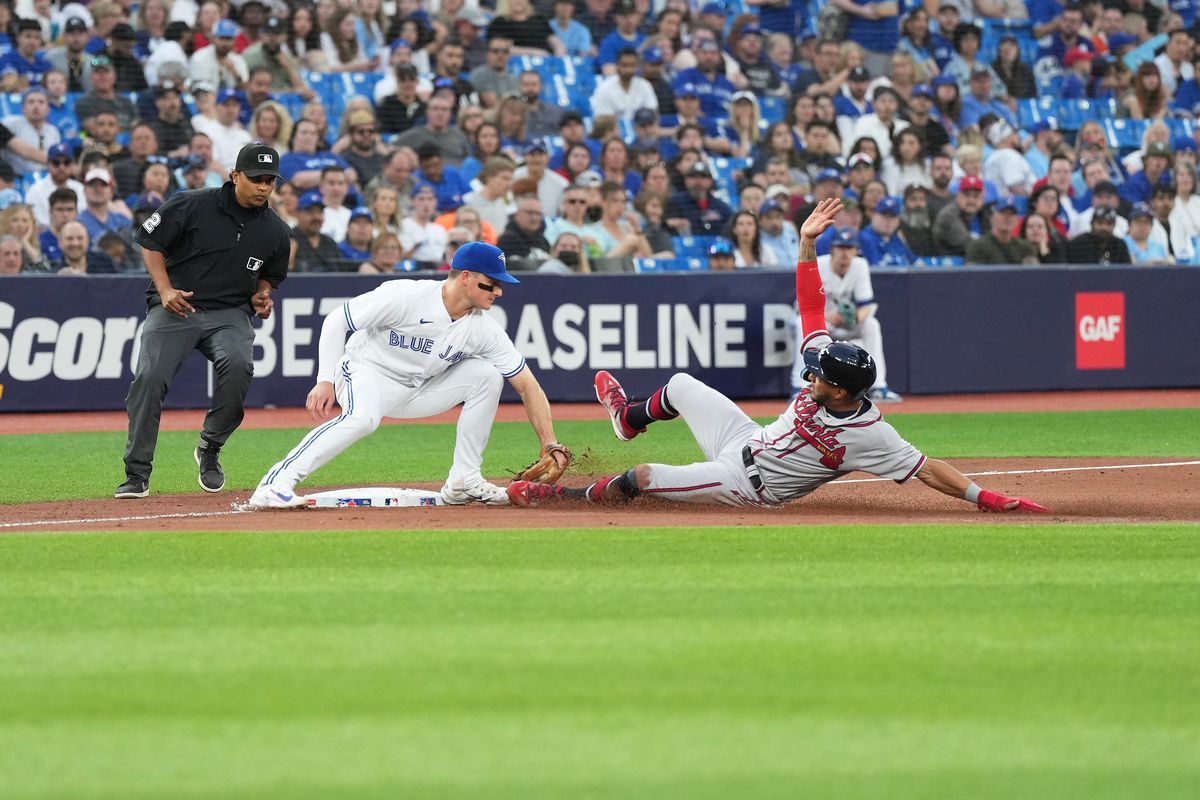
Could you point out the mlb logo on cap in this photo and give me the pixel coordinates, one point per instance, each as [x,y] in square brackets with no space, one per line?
[256,160]
[265,158]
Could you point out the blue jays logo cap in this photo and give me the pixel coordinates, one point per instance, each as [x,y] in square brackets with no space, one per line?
[484,258]
[829,175]
[1139,211]
[922,90]
[225,29]
[1005,204]
[310,199]
[360,212]
[258,159]
[652,55]
[888,205]
[60,151]
[845,237]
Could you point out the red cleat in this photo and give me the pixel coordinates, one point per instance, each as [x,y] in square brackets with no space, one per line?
[612,397]
[528,494]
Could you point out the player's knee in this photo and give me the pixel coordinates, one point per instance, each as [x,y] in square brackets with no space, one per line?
[681,381]
[361,424]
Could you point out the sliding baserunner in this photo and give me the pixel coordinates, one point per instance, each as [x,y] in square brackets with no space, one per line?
[828,430]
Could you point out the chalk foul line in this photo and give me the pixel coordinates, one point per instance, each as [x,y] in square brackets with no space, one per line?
[203,514]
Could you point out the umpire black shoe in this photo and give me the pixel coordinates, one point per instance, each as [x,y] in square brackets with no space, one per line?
[132,488]
[212,477]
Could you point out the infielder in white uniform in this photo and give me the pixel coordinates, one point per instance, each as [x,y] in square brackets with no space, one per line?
[849,311]
[830,429]
[416,349]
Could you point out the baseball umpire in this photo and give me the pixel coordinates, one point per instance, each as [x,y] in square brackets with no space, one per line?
[214,257]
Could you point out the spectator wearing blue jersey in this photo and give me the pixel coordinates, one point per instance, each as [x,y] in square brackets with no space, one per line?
[917,40]
[880,242]
[851,105]
[875,25]
[625,37]
[24,66]
[575,37]
[781,16]
[942,40]
[1156,162]
[708,80]
[356,247]
[980,100]
[447,183]
[1070,23]
[302,165]
[1044,14]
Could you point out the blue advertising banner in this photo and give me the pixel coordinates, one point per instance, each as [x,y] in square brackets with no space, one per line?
[70,343]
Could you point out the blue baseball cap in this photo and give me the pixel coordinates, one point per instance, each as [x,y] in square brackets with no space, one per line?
[312,197]
[752,29]
[225,29]
[59,151]
[828,174]
[769,205]
[360,212]
[535,146]
[1119,40]
[1047,124]
[423,186]
[1183,143]
[721,247]
[194,162]
[922,90]
[226,95]
[944,80]
[484,258]
[845,237]
[687,90]
[888,205]
[1005,204]
[396,45]
[713,8]
[652,55]
[1140,210]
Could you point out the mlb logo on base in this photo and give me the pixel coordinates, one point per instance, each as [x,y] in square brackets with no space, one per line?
[1100,330]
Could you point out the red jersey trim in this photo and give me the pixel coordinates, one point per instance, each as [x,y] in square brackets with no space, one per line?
[913,471]
[681,488]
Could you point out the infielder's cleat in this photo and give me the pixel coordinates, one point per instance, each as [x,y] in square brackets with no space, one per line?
[528,493]
[132,488]
[269,496]
[612,397]
[482,492]
[212,477]
[885,395]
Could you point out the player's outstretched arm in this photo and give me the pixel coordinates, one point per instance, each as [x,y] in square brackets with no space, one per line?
[537,408]
[947,480]
[810,292]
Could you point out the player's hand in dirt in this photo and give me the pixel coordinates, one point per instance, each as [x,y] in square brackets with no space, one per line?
[994,501]
[321,400]
[175,301]
[821,218]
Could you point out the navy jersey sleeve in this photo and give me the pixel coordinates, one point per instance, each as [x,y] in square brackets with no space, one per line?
[165,226]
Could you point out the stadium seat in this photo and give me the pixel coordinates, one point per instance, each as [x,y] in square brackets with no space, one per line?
[1032,110]
[408,265]
[940,261]
[644,265]
[692,246]
[773,108]
[1125,134]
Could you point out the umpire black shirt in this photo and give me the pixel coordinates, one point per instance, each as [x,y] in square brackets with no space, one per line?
[216,248]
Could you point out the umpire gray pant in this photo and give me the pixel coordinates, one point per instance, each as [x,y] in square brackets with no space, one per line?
[226,338]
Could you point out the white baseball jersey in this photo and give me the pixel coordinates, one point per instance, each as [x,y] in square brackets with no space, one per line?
[402,330]
[852,290]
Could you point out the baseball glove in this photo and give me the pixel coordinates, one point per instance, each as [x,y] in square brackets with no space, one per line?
[555,460]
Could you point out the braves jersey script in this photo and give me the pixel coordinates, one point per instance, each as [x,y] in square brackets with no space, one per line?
[808,446]
[403,330]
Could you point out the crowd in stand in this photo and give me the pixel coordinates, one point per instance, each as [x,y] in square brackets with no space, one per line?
[410,127]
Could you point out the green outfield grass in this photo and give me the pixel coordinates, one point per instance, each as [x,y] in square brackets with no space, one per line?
[901,662]
[69,466]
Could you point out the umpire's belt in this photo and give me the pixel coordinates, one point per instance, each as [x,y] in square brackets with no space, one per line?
[751,468]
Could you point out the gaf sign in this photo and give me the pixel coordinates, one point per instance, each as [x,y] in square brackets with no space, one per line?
[1100,330]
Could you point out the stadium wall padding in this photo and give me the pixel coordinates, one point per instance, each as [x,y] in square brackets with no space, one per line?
[68,343]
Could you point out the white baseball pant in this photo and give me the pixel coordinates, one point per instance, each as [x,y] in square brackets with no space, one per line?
[722,430]
[367,396]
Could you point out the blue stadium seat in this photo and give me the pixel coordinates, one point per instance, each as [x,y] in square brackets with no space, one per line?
[408,265]
[669,265]
[692,246]
[1181,127]
[995,29]
[1032,110]
[293,102]
[773,108]
[1072,114]
[1125,134]
[361,83]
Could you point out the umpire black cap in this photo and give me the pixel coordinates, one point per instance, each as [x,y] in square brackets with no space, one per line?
[258,159]
[844,365]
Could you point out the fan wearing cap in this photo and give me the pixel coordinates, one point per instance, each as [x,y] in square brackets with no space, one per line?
[746,39]
[420,236]
[980,99]
[269,53]
[550,185]
[705,213]
[707,79]
[312,250]
[1099,246]
[214,257]
[830,428]
[1157,159]
[1067,36]
[854,104]
[218,65]
[227,132]
[104,97]
[131,76]
[1142,248]
[960,221]
[360,232]
[622,93]
[416,349]
[881,242]
[71,57]
[999,245]
[24,66]
[625,36]
[61,161]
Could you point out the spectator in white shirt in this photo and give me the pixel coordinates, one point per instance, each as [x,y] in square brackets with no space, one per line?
[621,95]
[62,169]
[421,238]
[227,133]
[881,124]
[31,127]
[218,65]
[334,187]
[1006,167]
